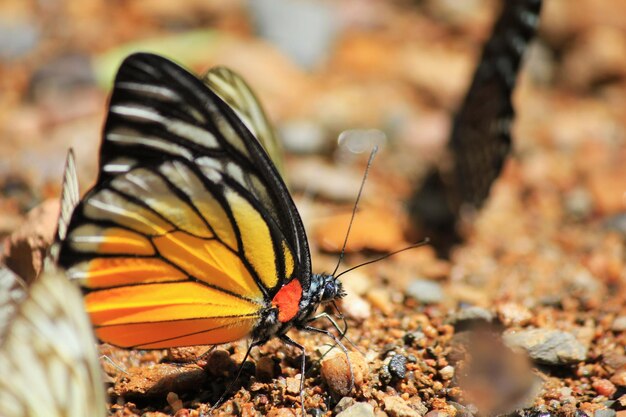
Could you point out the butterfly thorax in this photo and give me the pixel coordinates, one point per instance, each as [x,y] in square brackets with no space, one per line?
[294,306]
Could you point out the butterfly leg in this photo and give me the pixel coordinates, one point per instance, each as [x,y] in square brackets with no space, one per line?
[206,354]
[295,344]
[232,383]
[342,332]
[338,343]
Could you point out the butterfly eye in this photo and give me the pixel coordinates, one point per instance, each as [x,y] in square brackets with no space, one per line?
[332,290]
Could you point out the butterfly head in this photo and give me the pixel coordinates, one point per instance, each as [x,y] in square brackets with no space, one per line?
[328,288]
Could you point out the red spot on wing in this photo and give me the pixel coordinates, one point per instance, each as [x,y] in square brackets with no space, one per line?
[287,300]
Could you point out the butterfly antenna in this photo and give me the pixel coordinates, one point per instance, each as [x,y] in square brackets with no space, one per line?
[415,245]
[356,203]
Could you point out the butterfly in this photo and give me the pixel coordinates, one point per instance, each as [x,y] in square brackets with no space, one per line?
[480,141]
[189,236]
[48,360]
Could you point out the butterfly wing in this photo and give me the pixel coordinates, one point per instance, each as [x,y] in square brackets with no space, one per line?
[235,91]
[481,135]
[12,292]
[189,230]
[48,360]
[480,140]
[70,197]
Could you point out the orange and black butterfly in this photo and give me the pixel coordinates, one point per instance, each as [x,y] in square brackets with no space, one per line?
[189,236]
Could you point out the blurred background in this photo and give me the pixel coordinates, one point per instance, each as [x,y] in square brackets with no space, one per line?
[337,77]
[393,71]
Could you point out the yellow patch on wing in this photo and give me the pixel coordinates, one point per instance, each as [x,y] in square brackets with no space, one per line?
[256,238]
[289,264]
[210,209]
[117,271]
[208,261]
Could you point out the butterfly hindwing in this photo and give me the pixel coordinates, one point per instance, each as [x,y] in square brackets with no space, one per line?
[189,229]
[236,92]
[48,357]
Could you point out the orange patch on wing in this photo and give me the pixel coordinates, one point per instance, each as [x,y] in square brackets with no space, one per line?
[287,300]
[161,335]
[113,272]
[164,303]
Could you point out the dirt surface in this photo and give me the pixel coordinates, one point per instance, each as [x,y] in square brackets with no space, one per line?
[534,295]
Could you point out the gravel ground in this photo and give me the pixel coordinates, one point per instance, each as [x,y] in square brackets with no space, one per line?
[527,313]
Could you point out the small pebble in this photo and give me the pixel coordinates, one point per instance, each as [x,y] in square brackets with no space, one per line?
[437,413]
[397,407]
[358,410]
[336,372]
[280,412]
[174,402]
[604,413]
[619,324]
[315,412]
[425,291]
[578,203]
[619,377]
[397,367]
[293,385]
[384,376]
[187,354]
[344,404]
[219,363]
[447,372]
[470,314]
[604,387]
[413,338]
[551,347]
[513,314]
[159,380]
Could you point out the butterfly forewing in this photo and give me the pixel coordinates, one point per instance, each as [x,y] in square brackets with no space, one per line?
[189,230]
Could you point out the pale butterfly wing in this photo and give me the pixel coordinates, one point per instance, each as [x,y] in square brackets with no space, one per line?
[236,92]
[12,292]
[70,196]
[48,359]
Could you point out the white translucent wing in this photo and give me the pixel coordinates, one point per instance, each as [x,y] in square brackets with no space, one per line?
[48,360]
[12,292]
[236,92]
[70,196]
